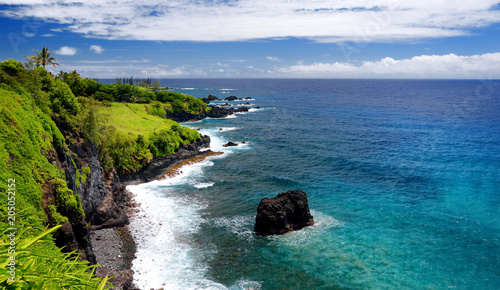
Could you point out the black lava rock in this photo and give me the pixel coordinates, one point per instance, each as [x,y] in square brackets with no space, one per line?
[286,212]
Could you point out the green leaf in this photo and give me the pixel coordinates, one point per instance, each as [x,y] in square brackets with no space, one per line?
[33,240]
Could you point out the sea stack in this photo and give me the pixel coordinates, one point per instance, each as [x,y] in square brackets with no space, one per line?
[286,212]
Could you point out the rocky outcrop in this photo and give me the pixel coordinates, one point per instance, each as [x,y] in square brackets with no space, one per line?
[231,98]
[209,98]
[286,212]
[215,112]
[228,144]
[218,112]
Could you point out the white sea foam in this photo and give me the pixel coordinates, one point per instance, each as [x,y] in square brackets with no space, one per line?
[204,184]
[322,223]
[243,100]
[228,89]
[217,141]
[166,256]
[226,129]
[239,225]
[245,285]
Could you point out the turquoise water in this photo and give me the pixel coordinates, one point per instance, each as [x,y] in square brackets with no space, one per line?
[403,180]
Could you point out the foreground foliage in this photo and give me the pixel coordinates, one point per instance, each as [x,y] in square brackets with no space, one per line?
[39,263]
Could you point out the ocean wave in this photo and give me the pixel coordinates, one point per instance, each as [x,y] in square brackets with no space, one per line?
[226,129]
[204,184]
[164,252]
[239,225]
[163,228]
[245,285]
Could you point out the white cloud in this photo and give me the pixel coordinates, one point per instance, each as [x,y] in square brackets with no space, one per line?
[66,50]
[96,48]
[273,58]
[424,66]
[319,20]
[139,69]
[48,35]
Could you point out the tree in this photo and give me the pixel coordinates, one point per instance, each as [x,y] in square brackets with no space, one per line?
[43,58]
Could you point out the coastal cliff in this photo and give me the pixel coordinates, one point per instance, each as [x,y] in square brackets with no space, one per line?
[66,160]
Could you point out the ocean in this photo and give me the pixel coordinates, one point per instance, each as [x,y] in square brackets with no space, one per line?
[402,178]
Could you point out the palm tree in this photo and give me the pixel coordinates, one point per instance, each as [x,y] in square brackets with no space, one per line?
[43,58]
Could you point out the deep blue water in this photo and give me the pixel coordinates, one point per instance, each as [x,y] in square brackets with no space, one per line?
[402,176]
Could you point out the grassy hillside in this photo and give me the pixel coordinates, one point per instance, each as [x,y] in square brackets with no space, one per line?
[135,133]
[134,119]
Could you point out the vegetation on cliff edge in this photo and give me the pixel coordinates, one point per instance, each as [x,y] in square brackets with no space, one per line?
[30,101]
[41,117]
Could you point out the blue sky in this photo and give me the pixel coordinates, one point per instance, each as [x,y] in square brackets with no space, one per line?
[257,38]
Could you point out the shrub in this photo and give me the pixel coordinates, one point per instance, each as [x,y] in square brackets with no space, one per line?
[165,142]
[12,67]
[63,102]
[66,201]
[156,109]
[90,121]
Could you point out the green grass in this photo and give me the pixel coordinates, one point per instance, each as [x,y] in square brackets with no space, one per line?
[133,119]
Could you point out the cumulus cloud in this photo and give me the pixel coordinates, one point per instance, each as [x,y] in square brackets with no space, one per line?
[66,50]
[424,66]
[96,48]
[273,58]
[319,20]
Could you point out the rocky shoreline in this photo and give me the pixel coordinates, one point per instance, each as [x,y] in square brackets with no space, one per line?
[113,246]
[215,112]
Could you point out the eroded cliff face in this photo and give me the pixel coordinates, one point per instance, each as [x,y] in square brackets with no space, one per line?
[99,192]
